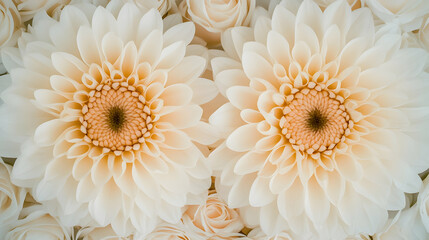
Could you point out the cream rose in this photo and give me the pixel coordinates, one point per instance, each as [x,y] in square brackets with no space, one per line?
[10,23]
[37,224]
[214,17]
[29,8]
[166,231]
[163,6]
[100,233]
[214,216]
[11,198]
[405,13]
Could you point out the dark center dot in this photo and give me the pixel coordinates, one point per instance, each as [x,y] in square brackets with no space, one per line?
[116,118]
[316,120]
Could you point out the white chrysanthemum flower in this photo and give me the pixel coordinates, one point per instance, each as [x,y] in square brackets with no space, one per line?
[327,124]
[11,198]
[214,17]
[408,14]
[108,116]
[213,217]
[37,224]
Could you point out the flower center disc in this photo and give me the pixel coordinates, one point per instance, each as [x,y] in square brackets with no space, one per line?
[115,118]
[315,121]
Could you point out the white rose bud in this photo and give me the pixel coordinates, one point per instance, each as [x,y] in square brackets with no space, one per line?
[214,17]
[214,216]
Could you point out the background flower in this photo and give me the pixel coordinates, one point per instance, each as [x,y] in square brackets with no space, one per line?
[10,26]
[214,216]
[100,233]
[318,130]
[212,18]
[406,13]
[36,223]
[11,198]
[167,231]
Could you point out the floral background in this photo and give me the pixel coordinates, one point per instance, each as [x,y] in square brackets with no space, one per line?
[214,119]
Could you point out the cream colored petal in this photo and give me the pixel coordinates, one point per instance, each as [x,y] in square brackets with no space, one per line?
[256,66]
[100,173]
[239,194]
[108,198]
[72,18]
[103,22]
[29,164]
[281,182]
[332,183]
[176,140]
[144,180]
[128,18]
[150,47]
[82,168]
[221,156]
[151,21]
[242,97]
[180,32]
[183,116]
[69,65]
[87,45]
[204,90]
[317,204]
[291,206]
[169,181]
[153,164]
[230,77]
[111,47]
[186,158]
[48,133]
[125,182]
[176,95]
[244,138]
[283,17]
[260,194]
[188,69]
[86,190]
[203,133]
[250,162]
[278,47]
[171,55]
[348,167]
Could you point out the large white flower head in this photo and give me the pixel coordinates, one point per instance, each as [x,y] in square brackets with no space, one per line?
[105,107]
[327,121]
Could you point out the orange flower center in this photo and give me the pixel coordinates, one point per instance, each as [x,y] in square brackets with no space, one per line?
[116,117]
[315,120]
